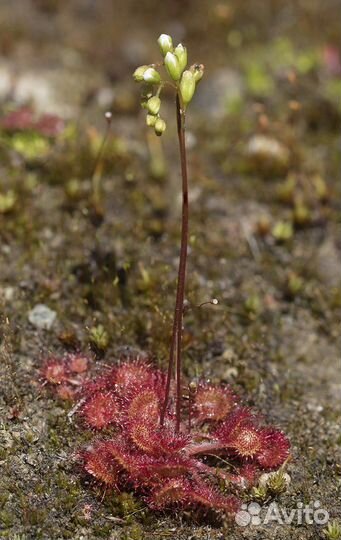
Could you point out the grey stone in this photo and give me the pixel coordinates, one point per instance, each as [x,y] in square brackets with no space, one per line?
[42,317]
[217,91]
[267,153]
[328,265]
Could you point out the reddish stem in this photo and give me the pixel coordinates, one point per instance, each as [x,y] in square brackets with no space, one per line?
[206,448]
[213,471]
[190,401]
[176,341]
[96,173]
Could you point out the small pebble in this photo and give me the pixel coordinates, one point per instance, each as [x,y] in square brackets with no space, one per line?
[267,154]
[42,317]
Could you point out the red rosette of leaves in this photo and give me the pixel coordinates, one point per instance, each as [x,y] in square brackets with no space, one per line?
[169,468]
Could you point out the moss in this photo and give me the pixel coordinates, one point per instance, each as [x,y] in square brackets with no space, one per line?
[7,201]
[3,498]
[333,531]
[102,530]
[99,337]
[6,518]
[134,532]
[253,304]
[30,145]
[282,231]
[4,452]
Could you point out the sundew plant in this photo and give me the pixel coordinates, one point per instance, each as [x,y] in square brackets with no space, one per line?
[172,443]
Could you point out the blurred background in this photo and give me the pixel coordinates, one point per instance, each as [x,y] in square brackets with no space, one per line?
[89,246]
[271,66]
[67,55]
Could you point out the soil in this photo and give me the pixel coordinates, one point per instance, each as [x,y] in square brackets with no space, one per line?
[264,166]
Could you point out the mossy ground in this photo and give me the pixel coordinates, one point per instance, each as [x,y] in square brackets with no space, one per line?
[272,337]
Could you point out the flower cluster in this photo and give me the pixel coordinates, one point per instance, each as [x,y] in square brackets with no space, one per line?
[184,80]
[221,447]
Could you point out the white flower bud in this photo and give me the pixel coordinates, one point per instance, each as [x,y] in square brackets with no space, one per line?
[139,72]
[151,120]
[181,53]
[165,43]
[173,66]
[151,76]
[153,105]
[187,86]
[160,126]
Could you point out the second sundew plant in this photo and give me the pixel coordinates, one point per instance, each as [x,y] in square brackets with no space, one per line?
[202,455]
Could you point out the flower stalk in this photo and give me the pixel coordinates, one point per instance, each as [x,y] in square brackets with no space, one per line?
[97,169]
[176,340]
[184,82]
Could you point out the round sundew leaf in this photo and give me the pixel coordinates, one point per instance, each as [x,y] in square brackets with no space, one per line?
[208,496]
[101,410]
[145,404]
[55,371]
[132,375]
[78,363]
[213,403]
[275,449]
[239,417]
[66,392]
[247,441]
[154,440]
[99,463]
[173,492]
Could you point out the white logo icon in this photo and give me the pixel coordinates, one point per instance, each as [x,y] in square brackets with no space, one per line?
[249,514]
